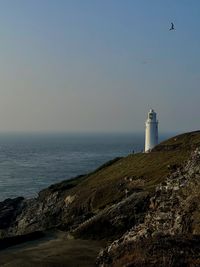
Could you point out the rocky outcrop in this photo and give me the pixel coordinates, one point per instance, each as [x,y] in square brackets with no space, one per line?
[116,219]
[21,216]
[170,212]
[166,251]
[9,211]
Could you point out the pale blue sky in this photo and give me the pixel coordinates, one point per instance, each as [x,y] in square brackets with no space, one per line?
[99,65]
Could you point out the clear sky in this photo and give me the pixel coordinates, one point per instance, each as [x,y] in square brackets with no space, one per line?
[99,65]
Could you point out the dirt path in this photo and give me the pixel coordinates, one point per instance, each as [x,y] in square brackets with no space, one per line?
[57,251]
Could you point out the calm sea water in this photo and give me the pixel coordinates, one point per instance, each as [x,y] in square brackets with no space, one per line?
[31,162]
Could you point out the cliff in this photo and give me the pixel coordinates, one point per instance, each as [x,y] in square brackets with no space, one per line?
[170,229]
[146,205]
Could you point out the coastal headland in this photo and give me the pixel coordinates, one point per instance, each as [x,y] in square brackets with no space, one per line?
[140,210]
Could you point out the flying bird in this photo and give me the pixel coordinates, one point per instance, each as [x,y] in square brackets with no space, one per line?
[172,27]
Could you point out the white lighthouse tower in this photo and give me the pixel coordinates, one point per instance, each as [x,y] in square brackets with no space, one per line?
[151,132]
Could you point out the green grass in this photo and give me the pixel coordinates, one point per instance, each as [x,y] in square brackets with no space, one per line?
[107,184]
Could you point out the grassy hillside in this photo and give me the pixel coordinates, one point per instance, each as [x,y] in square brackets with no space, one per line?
[139,172]
[112,200]
[70,203]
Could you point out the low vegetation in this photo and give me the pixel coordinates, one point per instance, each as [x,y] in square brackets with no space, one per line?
[117,197]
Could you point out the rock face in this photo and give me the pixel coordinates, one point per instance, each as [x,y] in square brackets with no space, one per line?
[9,211]
[54,209]
[21,216]
[171,214]
[114,220]
[166,251]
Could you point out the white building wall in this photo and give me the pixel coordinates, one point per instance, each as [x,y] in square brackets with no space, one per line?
[151,132]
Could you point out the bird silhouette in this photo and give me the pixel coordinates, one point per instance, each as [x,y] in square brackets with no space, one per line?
[172,27]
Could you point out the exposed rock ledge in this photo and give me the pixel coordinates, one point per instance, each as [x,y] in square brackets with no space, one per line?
[170,231]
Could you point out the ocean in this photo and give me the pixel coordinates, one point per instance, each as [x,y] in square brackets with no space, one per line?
[31,162]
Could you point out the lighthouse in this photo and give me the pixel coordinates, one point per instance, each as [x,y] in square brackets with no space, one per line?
[151,132]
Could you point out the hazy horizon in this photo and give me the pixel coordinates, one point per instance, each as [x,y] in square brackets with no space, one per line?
[40,132]
[99,66]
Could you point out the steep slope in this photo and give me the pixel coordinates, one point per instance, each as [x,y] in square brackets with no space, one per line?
[103,204]
[171,224]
